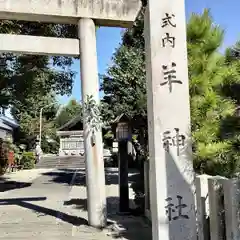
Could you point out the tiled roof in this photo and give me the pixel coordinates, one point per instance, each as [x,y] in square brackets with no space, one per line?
[8,122]
[5,126]
[71,123]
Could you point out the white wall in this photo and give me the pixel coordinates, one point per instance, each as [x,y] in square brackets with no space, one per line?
[3,133]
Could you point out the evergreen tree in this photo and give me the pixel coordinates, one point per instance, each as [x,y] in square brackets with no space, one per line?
[209,107]
[124,84]
[125,89]
[68,112]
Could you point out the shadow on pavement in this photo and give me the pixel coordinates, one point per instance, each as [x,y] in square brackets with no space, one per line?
[67,176]
[81,204]
[6,185]
[25,202]
[78,177]
[131,226]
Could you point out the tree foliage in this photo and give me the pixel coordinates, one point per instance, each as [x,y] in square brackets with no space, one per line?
[124,85]
[213,102]
[28,115]
[210,108]
[29,82]
[68,112]
[28,73]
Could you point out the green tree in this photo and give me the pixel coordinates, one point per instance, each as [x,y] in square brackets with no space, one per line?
[209,73]
[68,112]
[29,82]
[232,85]
[124,84]
[24,73]
[27,113]
[214,144]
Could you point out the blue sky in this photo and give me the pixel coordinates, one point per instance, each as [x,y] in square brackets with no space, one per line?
[225,13]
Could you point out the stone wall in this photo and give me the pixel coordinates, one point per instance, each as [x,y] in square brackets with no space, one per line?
[3,133]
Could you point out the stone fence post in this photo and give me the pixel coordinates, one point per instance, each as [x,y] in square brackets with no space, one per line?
[216,208]
[202,205]
[231,189]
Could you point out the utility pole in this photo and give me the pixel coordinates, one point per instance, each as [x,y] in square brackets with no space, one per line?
[40,128]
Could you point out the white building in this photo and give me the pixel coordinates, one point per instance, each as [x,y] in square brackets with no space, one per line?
[71,137]
[7,127]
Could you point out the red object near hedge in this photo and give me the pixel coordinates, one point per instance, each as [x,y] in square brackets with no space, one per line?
[11,158]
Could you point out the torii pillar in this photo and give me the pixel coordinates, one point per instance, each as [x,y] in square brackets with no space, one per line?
[86,15]
[171,183]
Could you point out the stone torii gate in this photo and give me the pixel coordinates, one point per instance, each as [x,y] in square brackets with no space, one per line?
[171,172]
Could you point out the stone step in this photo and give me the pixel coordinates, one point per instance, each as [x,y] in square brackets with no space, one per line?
[67,162]
[60,166]
[61,162]
[56,163]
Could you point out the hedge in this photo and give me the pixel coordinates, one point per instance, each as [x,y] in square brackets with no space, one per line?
[28,160]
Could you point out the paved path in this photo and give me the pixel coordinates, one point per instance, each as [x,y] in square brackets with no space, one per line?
[51,204]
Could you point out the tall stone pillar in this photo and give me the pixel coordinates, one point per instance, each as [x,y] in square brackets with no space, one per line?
[171,170]
[95,177]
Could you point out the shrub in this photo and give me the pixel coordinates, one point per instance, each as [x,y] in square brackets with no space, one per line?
[28,160]
[3,156]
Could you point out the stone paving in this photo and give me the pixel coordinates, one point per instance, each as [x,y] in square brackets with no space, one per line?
[51,204]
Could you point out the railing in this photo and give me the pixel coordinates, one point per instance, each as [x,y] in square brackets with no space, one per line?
[72,144]
[70,133]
